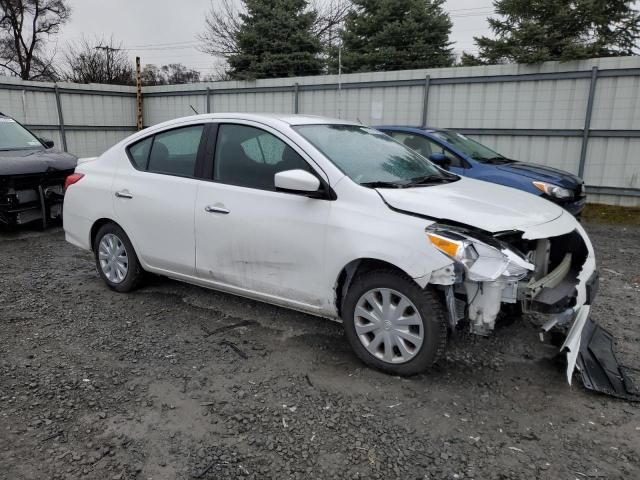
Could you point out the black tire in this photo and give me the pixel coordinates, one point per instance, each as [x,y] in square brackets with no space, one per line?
[429,307]
[135,274]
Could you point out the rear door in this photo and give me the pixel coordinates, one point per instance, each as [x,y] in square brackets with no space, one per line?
[155,195]
[250,236]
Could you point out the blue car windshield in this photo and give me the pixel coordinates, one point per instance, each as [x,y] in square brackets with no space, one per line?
[371,158]
[473,149]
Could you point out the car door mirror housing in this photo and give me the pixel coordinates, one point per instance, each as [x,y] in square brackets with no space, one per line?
[47,143]
[297,181]
[440,159]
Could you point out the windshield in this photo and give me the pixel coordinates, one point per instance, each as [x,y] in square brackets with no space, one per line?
[370,157]
[14,136]
[474,149]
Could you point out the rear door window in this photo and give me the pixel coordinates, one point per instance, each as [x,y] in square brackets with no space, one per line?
[175,152]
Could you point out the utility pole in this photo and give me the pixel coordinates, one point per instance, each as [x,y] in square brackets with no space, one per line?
[108,51]
[340,81]
[139,122]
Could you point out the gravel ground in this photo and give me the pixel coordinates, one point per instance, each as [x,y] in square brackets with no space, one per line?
[178,382]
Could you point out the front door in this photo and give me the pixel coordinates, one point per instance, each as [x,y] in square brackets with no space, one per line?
[250,236]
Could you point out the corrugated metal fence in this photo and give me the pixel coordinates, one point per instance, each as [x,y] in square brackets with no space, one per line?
[583,117]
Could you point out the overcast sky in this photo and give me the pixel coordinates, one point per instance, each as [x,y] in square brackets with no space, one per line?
[164,31]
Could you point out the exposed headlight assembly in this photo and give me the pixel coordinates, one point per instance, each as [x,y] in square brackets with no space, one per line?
[553,190]
[482,262]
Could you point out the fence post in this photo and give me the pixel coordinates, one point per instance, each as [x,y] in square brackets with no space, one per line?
[208,100]
[587,121]
[63,134]
[425,104]
[139,111]
[296,90]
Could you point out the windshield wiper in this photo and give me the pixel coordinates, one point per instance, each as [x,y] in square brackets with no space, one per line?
[430,179]
[498,159]
[383,185]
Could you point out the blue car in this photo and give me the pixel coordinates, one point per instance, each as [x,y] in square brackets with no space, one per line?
[460,154]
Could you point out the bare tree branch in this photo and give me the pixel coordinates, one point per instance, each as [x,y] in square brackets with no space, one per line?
[331,15]
[223,22]
[98,61]
[21,48]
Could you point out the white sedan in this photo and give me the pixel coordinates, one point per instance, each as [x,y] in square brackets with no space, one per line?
[334,219]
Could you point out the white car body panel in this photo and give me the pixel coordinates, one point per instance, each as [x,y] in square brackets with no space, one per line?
[483,205]
[158,201]
[272,242]
[289,249]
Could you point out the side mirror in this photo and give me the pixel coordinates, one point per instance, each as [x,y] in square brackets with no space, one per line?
[47,143]
[297,181]
[441,160]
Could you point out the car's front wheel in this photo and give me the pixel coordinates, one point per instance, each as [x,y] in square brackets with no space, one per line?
[116,260]
[392,324]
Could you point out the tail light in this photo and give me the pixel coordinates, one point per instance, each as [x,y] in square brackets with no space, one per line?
[72,179]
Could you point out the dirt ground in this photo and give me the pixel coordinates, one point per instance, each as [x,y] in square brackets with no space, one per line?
[178,382]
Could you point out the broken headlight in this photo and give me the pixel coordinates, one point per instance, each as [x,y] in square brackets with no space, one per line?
[482,262]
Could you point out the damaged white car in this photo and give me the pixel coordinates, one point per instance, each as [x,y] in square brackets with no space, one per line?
[338,220]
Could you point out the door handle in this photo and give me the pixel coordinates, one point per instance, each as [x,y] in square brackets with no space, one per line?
[124,194]
[211,209]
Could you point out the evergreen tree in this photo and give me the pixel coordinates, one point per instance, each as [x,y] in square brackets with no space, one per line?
[275,39]
[531,31]
[382,35]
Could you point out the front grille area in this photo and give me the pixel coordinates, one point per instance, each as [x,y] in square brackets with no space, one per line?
[28,198]
[559,261]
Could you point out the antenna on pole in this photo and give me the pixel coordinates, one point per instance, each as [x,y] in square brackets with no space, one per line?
[108,51]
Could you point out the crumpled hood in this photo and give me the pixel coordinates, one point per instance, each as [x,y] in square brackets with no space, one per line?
[483,205]
[25,162]
[542,173]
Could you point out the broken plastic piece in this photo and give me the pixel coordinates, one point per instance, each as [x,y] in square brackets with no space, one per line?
[598,367]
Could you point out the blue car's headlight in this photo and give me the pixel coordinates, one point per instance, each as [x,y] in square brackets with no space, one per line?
[553,190]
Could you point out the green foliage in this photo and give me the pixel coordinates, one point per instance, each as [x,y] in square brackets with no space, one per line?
[382,35]
[275,39]
[531,31]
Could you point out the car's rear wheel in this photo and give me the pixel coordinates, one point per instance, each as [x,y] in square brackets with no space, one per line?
[392,324]
[116,260]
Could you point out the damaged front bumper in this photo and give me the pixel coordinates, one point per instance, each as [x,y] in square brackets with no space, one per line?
[28,199]
[596,365]
[560,285]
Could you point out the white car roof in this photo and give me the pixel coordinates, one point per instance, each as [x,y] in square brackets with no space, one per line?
[272,119]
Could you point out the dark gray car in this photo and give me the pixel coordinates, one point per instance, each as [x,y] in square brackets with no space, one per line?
[32,176]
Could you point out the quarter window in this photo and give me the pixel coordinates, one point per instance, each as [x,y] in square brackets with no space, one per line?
[139,153]
[250,157]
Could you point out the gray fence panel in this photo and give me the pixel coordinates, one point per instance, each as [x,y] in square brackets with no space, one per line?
[93,143]
[617,104]
[536,113]
[100,110]
[558,152]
